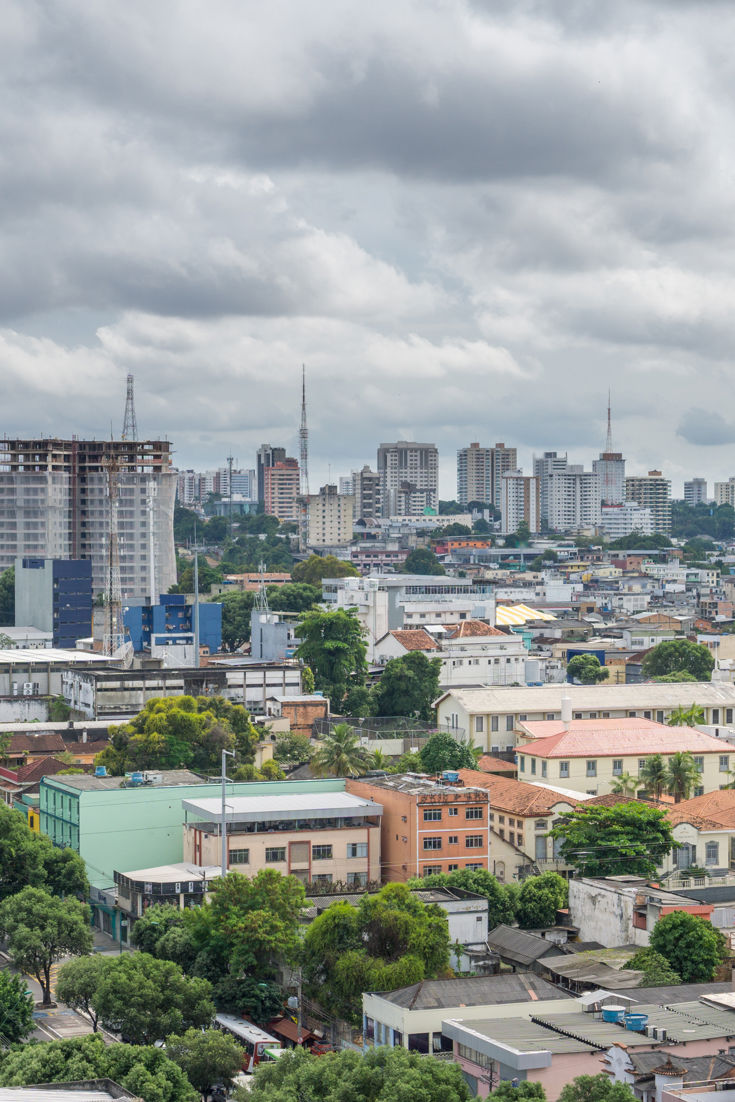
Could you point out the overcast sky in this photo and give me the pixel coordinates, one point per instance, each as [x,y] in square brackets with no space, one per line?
[468,219]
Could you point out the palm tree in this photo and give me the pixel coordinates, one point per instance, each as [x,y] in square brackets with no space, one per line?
[686,717]
[625,785]
[340,753]
[379,760]
[682,776]
[654,776]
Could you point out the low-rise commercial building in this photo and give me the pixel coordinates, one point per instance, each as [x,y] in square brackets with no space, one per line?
[319,837]
[428,826]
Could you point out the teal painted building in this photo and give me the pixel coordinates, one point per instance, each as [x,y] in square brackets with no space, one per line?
[115,826]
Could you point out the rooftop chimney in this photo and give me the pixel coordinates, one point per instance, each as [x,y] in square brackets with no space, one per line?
[566,711]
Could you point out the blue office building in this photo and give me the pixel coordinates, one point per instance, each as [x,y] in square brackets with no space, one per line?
[55,595]
[171,623]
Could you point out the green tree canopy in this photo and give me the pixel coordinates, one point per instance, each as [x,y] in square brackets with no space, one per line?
[294,597]
[40,929]
[691,945]
[586,669]
[31,859]
[596,1088]
[540,898]
[180,732]
[390,940]
[526,1091]
[682,775]
[686,717]
[408,686]
[146,999]
[657,972]
[595,840]
[675,655]
[146,1072]
[317,567]
[77,983]
[16,1008]
[380,1075]
[340,753]
[674,678]
[293,748]
[422,561]
[206,1058]
[237,607]
[444,752]
[654,775]
[333,646]
[501,903]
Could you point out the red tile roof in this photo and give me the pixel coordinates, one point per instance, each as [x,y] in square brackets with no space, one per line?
[472,628]
[713,809]
[46,743]
[41,767]
[489,764]
[415,639]
[515,797]
[606,738]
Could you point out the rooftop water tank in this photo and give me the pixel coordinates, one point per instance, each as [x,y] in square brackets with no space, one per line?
[136,778]
[100,771]
[636,1022]
[450,775]
[612,1013]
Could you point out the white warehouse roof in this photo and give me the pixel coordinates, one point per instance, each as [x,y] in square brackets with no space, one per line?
[299,805]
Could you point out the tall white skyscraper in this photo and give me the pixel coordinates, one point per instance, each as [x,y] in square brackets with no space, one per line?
[409,478]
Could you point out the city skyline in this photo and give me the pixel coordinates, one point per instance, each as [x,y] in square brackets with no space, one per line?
[375,193]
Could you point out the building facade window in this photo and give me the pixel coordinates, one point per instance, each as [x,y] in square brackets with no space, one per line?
[592,768]
[321,853]
[724,763]
[712,853]
[453,839]
[699,762]
[357,849]
[473,813]
[493,723]
[474,841]
[274,854]
[431,870]
[563,768]
[454,811]
[239,856]
[357,879]
[479,724]
[432,843]
[522,763]
[432,814]
[509,724]
[617,767]
[322,878]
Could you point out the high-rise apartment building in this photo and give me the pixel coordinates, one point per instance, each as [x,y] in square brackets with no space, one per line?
[573,499]
[695,491]
[329,518]
[366,490]
[409,478]
[266,457]
[519,502]
[281,487]
[725,492]
[503,459]
[654,492]
[55,504]
[543,467]
[610,469]
[474,475]
[625,518]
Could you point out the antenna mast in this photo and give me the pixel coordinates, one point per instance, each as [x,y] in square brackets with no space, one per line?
[608,443]
[304,439]
[130,425]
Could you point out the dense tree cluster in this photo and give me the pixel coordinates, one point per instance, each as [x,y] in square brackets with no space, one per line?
[596,841]
[28,859]
[691,945]
[180,732]
[389,940]
[679,656]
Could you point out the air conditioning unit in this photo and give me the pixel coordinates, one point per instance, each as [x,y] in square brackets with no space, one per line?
[15,688]
[27,688]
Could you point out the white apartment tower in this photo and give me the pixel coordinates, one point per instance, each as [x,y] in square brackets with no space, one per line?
[654,492]
[480,470]
[55,503]
[409,478]
[695,491]
[624,519]
[543,467]
[573,499]
[725,492]
[519,502]
[329,518]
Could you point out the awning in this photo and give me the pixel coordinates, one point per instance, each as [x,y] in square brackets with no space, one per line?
[284,1027]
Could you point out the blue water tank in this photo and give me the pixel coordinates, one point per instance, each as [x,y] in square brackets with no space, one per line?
[136,778]
[100,771]
[450,775]
[636,1022]
[612,1013]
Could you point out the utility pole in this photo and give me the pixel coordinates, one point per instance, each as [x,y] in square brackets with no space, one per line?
[223,827]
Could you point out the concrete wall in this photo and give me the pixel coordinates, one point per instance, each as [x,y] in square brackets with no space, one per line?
[603,915]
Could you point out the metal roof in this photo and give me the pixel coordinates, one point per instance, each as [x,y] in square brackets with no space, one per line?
[578,968]
[518,945]
[547,698]
[512,987]
[42,656]
[297,805]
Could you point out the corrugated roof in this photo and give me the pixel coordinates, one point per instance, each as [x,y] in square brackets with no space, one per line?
[47,743]
[547,698]
[475,991]
[519,945]
[604,738]
[579,968]
[515,615]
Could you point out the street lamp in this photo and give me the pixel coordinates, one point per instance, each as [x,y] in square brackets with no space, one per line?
[225,754]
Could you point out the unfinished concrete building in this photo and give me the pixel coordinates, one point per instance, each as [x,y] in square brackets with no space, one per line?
[55,503]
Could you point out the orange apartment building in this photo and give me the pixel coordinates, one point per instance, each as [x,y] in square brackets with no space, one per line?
[282,486]
[428,825]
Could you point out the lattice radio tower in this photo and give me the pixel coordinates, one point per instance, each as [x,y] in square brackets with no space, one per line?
[130,425]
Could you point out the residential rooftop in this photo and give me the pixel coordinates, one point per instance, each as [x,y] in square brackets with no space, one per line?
[297,805]
[605,738]
[517,797]
[511,987]
[547,698]
[157,779]
[423,784]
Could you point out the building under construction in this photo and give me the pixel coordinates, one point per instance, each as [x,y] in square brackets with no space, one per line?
[55,503]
